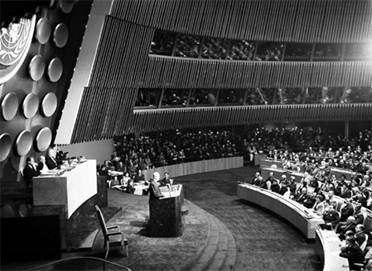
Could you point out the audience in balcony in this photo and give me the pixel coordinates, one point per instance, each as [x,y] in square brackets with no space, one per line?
[258,96]
[192,46]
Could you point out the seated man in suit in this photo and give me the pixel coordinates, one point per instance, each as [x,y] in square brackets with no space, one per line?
[30,171]
[166,180]
[343,227]
[154,190]
[331,216]
[41,166]
[353,253]
[51,158]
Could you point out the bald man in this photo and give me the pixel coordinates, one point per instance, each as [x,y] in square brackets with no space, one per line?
[154,190]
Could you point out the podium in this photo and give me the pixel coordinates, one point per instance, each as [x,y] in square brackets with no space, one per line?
[165,213]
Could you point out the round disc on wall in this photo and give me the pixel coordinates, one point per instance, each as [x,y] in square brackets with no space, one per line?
[36,67]
[60,35]
[43,30]
[55,69]
[43,139]
[9,106]
[49,104]
[23,143]
[5,146]
[30,105]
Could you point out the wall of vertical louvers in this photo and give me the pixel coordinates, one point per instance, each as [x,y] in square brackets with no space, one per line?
[123,64]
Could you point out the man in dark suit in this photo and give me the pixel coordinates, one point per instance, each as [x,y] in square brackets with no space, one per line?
[154,190]
[166,180]
[50,158]
[30,171]
[353,253]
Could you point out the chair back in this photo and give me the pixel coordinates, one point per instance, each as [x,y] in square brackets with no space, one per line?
[101,221]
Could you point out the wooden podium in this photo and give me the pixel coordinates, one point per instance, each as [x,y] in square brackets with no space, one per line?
[165,213]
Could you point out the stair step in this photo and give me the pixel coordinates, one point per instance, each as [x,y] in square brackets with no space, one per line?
[230,259]
[210,250]
[221,253]
[191,262]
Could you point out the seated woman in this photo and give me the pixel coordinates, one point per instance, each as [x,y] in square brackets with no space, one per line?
[122,186]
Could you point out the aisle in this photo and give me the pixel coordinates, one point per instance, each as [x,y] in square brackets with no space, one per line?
[263,240]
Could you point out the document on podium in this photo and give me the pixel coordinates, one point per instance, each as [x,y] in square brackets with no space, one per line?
[170,191]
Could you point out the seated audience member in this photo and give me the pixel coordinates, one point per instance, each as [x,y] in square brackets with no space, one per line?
[41,166]
[301,195]
[104,168]
[358,215]
[275,187]
[166,180]
[51,158]
[310,200]
[288,194]
[139,177]
[125,180]
[130,187]
[292,185]
[257,179]
[330,215]
[30,171]
[120,167]
[343,227]
[154,190]
[267,183]
[353,253]
[360,236]
[303,184]
[347,209]
[344,191]
[320,204]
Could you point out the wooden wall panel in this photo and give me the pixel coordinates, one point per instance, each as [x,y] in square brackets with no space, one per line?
[274,20]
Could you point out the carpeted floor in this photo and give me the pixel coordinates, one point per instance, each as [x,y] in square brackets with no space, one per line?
[149,253]
[264,241]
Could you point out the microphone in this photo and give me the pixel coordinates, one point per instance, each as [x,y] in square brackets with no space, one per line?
[170,189]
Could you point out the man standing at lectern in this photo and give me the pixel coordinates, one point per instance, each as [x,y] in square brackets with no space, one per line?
[154,190]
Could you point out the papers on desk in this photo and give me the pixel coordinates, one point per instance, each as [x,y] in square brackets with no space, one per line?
[170,191]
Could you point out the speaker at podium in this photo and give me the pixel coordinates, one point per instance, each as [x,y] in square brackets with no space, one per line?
[165,213]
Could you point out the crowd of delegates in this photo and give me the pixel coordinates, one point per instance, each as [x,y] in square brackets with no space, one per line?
[319,186]
[252,96]
[134,153]
[193,46]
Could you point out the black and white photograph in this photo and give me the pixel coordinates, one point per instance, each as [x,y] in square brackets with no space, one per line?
[186,135]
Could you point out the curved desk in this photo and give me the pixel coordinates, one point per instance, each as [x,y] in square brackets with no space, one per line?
[298,215]
[328,248]
[201,166]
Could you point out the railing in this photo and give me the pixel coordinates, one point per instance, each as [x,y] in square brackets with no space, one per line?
[101,120]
